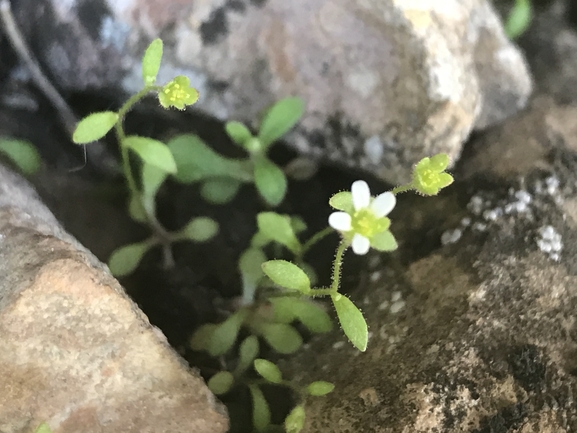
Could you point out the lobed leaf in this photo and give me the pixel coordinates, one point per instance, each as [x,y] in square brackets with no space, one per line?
[519,19]
[201,338]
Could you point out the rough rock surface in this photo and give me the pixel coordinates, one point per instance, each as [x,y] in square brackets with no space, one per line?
[385,82]
[479,336]
[76,352]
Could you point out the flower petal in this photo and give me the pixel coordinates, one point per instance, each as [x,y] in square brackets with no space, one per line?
[340,221]
[361,194]
[360,244]
[383,204]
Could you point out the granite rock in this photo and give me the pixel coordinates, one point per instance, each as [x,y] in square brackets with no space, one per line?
[385,82]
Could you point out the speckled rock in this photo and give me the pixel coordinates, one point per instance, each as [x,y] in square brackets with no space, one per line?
[478,336]
[385,82]
[77,353]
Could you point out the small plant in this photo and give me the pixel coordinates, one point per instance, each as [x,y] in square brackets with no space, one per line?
[21,153]
[519,18]
[277,294]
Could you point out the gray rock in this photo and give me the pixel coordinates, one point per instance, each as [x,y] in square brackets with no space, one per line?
[385,82]
[77,353]
[478,336]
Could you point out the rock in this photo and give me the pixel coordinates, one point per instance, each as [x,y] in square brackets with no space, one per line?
[77,353]
[479,335]
[385,82]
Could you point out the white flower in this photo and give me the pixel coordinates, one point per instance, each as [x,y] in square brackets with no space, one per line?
[368,218]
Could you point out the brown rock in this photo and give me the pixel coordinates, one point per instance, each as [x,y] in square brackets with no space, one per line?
[77,353]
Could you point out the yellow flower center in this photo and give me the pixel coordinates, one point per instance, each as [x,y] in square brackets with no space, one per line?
[364,222]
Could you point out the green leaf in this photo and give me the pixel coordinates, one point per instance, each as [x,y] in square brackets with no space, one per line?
[268,370]
[279,229]
[43,428]
[307,312]
[202,337]
[270,181]
[200,229]
[124,260]
[151,62]
[320,388]
[221,382]
[135,209]
[288,275]
[152,152]
[94,126]
[298,224]
[224,336]
[342,201]
[219,190]
[282,337]
[260,409]
[250,266]
[248,351]
[196,161]
[519,19]
[238,132]
[295,420]
[352,321]
[22,154]
[152,178]
[384,241]
[279,119]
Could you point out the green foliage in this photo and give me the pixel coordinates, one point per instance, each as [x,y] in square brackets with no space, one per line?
[200,229]
[279,119]
[282,337]
[124,260]
[250,267]
[279,228]
[94,126]
[152,152]
[276,293]
[352,321]
[268,370]
[295,421]
[151,62]
[21,153]
[221,382]
[270,181]
[288,275]
[260,409]
[248,351]
[519,18]
[43,428]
